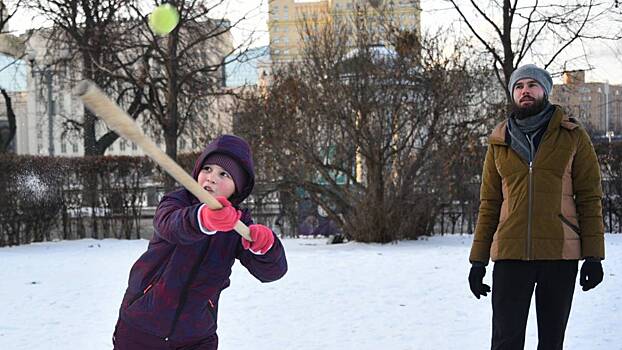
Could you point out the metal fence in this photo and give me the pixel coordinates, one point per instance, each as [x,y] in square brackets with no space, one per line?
[461,216]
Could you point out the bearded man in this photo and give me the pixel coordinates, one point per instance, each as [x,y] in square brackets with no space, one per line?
[540,213]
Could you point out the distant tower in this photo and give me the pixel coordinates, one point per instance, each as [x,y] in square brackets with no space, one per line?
[574,77]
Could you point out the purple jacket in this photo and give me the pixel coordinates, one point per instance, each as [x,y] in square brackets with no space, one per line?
[175,285]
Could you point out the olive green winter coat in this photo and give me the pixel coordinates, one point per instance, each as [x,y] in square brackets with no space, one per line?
[551,210]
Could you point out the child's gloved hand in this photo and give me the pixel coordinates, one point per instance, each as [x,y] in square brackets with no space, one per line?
[219,220]
[263,239]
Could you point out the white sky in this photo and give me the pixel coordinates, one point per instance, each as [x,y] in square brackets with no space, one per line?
[601,55]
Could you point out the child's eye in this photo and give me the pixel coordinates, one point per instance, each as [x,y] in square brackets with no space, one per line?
[225,174]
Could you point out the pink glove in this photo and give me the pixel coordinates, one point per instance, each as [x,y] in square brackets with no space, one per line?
[219,220]
[263,239]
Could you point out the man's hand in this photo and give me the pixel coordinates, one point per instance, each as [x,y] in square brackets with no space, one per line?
[476,280]
[591,274]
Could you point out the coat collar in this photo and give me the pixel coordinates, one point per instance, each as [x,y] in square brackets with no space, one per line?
[559,120]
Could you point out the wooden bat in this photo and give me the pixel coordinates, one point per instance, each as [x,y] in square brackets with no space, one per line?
[119,121]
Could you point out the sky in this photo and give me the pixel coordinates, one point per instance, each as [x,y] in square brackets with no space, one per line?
[605,57]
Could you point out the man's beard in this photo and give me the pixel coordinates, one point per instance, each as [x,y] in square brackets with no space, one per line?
[529,111]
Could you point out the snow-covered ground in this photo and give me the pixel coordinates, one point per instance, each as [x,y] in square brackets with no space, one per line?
[409,295]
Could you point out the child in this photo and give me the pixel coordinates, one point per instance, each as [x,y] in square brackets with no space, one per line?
[172,297]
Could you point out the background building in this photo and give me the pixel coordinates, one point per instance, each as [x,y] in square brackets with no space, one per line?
[286,17]
[597,105]
[43,102]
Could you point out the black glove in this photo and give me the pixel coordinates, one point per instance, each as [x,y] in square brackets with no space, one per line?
[591,274]
[476,280]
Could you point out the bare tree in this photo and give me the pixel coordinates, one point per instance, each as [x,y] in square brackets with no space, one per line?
[541,31]
[357,127]
[84,40]
[87,36]
[7,11]
[183,72]
[171,82]
[5,139]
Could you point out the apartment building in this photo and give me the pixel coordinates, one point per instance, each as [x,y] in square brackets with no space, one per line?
[597,105]
[286,18]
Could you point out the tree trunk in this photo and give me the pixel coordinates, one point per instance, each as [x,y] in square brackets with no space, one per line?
[172,109]
[6,143]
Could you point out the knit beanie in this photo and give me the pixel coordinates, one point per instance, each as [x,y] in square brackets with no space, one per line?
[239,175]
[534,72]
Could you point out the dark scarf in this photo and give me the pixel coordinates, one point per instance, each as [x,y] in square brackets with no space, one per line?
[525,134]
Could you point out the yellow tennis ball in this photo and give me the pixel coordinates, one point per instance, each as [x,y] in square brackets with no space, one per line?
[163,19]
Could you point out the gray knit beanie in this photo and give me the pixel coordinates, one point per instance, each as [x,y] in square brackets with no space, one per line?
[534,72]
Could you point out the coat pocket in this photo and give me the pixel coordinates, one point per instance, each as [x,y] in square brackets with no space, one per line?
[146,290]
[211,309]
[572,226]
[139,295]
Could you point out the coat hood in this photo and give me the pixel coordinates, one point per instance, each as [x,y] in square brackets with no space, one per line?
[238,149]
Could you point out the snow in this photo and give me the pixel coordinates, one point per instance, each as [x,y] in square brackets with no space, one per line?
[409,295]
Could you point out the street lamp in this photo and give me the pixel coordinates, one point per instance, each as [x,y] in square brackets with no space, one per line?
[46,73]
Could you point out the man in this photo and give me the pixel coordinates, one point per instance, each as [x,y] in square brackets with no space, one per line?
[540,212]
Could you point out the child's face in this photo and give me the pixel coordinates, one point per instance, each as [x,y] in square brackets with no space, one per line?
[216,180]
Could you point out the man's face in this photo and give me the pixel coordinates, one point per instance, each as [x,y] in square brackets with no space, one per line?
[528,97]
[527,92]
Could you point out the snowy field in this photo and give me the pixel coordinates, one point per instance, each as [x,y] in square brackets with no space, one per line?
[409,295]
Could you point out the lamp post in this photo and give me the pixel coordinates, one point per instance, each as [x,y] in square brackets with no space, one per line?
[607,111]
[45,72]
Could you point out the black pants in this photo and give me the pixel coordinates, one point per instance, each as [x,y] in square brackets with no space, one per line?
[513,283]
[126,337]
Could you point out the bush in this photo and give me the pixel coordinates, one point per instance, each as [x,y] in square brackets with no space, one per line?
[46,198]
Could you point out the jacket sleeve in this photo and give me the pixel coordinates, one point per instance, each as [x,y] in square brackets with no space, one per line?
[268,267]
[586,183]
[491,198]
[177,222]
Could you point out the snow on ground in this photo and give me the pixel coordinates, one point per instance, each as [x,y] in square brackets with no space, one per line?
[409,295]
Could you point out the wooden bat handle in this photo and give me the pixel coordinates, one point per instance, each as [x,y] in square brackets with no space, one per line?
[118,120]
